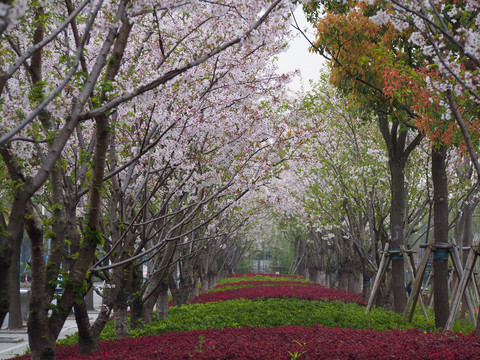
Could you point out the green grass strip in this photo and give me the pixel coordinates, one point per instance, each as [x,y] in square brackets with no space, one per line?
[274,312]
[230,280]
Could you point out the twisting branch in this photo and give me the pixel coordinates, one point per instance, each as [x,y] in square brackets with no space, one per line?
[466,134]
[4,139]
[174,73]
[40,45]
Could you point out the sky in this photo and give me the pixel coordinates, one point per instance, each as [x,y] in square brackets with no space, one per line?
[298,56]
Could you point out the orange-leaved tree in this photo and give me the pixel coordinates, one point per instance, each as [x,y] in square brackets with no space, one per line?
[435,120]
[351,41]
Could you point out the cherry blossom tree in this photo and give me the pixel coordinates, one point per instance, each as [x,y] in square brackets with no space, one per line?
[83,68]
[339,190]
[358,51]
[431,76]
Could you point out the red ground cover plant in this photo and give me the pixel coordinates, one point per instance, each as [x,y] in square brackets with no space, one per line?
[267,282]
[314,293]
[284,342]
[263,274]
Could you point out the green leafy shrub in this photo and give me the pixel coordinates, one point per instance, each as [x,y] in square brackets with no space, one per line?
[230,280]
[272,312]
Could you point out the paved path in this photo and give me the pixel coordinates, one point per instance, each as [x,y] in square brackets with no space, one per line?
[15,342]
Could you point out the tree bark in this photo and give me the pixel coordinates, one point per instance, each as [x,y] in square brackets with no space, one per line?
[397,226]
[398,153]
[367,287]
[86,342]
[342,278]
[15,320]
[121,322]
[162,302]
[440,230]
[121,302]
[136,303]
[14,228]
[151,293]
[172,285]
[5,265]
[40,338]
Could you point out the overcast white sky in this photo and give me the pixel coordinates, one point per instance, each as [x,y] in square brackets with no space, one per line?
[298,57]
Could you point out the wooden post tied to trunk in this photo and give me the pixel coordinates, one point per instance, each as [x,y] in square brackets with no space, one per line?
[431,246]
[466,276]
[457,264]
[417,283]
[413,274]
[382,269]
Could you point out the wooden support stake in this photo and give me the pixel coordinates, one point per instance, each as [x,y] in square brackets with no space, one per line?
[382,269]
[412,262]
[412,300]
[411,273]
[475,288]
[457,264]
[469,265]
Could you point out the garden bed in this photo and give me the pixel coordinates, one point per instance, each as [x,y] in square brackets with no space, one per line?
[268,317]
[286,343]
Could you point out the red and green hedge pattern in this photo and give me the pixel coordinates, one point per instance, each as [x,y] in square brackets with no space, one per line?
[290,342]
[286,342]
[313,293]
[242,287]
[266,275]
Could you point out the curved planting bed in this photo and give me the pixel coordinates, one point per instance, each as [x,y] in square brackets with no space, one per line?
[314,292]
[263,319]
[267,286]
[286,343]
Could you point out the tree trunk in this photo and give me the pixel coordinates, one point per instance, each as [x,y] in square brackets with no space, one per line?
[367,276]
[151,292]
[384,297]
[318,276]
[355,280]
[349,280]
[123,280]
[398,152]
[105,310]
[322,277]
[205,284]
[477,329]
[176,296]
[162,302]
[14,228]
[440,230]
[136,304]
[147,308]
[15,316]
[184,291]
[86,341]
[194,292]
[397,225]
[212,281]
[302,266]
[5,262]
[342,279]
[40,338]
[330,279]
[121,322]
[367,287]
